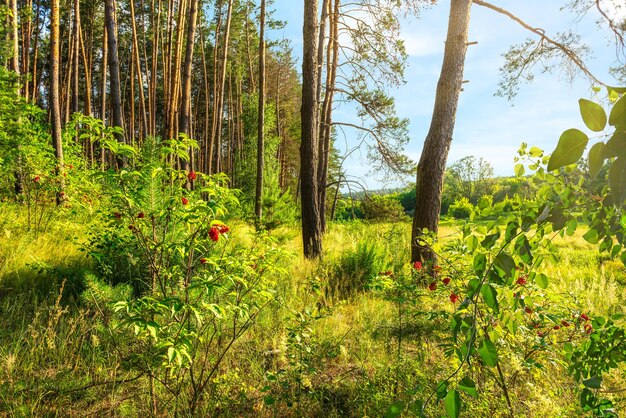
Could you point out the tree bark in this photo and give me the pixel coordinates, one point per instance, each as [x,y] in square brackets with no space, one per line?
[258,200]
[219,99]
[15,67]
[55,107]
[311,231]
[114,68]
[185,106]
[432,164]
[332,62]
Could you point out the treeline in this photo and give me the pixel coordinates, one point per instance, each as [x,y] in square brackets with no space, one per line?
[469,188]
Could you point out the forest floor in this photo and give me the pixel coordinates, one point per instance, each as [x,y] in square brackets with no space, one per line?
[330,344]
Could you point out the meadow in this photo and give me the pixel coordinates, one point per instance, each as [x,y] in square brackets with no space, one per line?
[334,338]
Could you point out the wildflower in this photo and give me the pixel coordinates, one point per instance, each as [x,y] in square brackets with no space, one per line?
[214,233]
[446,281]
[417,265]
[203,260]
[184,200]
[454,297]
[141,215]
[191,175]
[432,286]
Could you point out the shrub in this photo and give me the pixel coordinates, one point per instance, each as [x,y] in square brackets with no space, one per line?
[355,270]
[461,208]
[383,208]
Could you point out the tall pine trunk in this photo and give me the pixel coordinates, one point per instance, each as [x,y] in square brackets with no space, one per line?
[311,228]
[185,106]
[114,68]
[55,106]
[432,164]
[258,200]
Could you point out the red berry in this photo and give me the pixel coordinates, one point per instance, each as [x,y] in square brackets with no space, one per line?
[203,260]
[36,179]
[432,286]
[223,229]
[588,328]
[214,233]
[446,281]
[184,200]
[118,215]
[565,323]
[556,327]
[141,215]
[191,175]
[454,297]
[521,281]
[417,265]
[528,310]
[585,317]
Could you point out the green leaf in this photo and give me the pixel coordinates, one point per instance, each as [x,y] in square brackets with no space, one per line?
[479,264]
[519,170]
[535,152]
[471,242]
[394,410]
[594,382]
[569,150]
[490,240]
[616,145]
[623,258]
[452,403]
[522,248]
[592,236]
[490,296]
[617,117]
[488,353]
[468,386]
[542,281]
[596,159]
[472,287]
[505,263]
[617,180]
[593,115]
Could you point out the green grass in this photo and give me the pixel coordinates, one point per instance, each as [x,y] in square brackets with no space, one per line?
[57,357]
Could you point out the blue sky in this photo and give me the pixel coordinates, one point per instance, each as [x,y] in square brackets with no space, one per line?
[486,126]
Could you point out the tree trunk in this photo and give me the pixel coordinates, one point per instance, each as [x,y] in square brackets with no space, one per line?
[114,69]
[327,108]
[432,164]
[258,200]
[15,67]
[55,107]
[143,123]
[311,228]
[219,100]
[185,106]
[76,63]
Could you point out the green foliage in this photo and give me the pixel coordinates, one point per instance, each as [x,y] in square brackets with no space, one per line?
[383,207]
[356,269]
[461,208]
